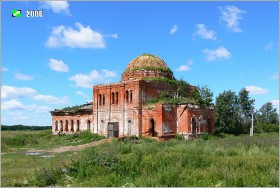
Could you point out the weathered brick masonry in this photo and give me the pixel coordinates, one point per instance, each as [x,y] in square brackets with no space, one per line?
[124,108]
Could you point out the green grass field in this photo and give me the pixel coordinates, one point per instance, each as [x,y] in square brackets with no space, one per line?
[230,161]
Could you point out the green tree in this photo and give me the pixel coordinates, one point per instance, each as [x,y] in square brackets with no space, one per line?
[225,112]
[268,114]
[203,96]
[245,109]
[181,88]
[232,112]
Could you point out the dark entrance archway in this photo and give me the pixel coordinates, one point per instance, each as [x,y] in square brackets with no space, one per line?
[152,127]
[194,126]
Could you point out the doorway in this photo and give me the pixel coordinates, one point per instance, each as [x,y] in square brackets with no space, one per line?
[113,129]
[152,127]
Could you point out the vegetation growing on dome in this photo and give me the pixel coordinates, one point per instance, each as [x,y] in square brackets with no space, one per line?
[151,68]
[150,55]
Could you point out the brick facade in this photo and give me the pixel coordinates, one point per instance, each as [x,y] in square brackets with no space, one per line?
[125,108]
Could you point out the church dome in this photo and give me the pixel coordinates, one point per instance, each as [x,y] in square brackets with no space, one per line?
[146,66]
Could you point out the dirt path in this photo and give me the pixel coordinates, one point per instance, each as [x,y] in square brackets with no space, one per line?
[70,148]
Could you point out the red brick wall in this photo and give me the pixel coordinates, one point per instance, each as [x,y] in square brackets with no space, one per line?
[127,111]
[152,111]
[169,116]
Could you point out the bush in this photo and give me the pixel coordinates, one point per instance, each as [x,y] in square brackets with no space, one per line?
[47,176]
[179,137]
[266,128]
[19,140]
[205,136]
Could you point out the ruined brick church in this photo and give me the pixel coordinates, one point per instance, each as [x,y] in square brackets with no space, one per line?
[133,106]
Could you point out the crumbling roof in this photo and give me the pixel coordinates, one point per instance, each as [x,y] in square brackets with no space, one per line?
[74,109]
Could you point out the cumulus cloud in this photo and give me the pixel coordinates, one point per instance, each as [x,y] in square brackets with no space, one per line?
[16,92]
[254,90]
[269,46]
[204,33]
[108,74]
[12,105]
[20,76]
[57,6]
[4,69]
[87,80]
[82,37]
[49,99]
[220,53]
[173,29]
[38,109]
[231,15]
[58,65]
[186,67]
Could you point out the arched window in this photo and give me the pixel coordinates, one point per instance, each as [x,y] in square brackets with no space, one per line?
[66,125]
[130,96]
[129,125]
[103,99]
[61,125]
[117,97]
[113,98]
[126,96]
[72,125]
[101,125]
[100,100]
[56,126]
[88,125]
[78,125]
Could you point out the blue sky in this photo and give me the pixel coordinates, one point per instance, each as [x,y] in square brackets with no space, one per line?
[53,61]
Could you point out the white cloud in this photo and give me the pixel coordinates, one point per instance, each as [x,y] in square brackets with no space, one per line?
[12,105]
[115,36]
[57,6]
[83,95]
[108,73]
[231,16]
[220,53]
[254,90]
[58,65]
[20,76]
[16,92]
[269,46]
[204,33]
[183,68]
[3,69]
[51,99]
[83,37]
[94,77]
[275,76]
[173,29]
[38,109]
[186,67]
[275,102]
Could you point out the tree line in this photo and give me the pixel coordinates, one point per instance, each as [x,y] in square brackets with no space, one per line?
[233,112]
[24,127]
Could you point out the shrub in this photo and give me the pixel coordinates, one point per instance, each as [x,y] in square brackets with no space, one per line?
[47,176]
